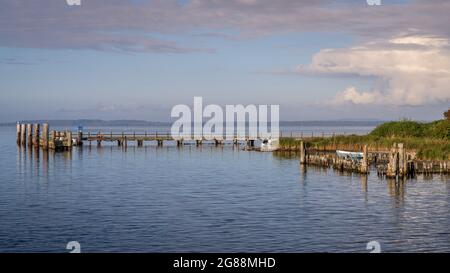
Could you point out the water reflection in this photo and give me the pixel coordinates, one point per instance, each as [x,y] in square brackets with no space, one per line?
[396,189]
[209,198]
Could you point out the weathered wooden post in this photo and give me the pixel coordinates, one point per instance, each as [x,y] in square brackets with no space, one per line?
[45,135]
[36,135]
[402,160]
[99,139]
[302,153]
[52,141]
[140,142]
[23,137]
[365,161]
[80,138]
[29,135]
[69,140]
[19,132]
[392,169]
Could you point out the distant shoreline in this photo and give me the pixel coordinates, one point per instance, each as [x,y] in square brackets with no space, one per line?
[95,122]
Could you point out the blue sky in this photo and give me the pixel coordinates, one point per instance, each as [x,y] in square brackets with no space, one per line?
[62,62]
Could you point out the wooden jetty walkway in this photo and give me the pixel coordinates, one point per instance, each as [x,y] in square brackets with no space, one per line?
[31,135]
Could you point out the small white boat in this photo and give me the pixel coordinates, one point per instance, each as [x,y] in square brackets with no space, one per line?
[270,145]
[352,155]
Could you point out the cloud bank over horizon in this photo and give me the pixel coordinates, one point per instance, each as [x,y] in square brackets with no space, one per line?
[409,70]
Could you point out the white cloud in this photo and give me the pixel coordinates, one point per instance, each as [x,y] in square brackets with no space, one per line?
[411,70]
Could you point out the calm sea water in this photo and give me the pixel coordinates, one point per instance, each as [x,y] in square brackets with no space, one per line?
[208,199]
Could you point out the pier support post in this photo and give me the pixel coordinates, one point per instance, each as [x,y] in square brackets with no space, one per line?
[45,130]
[18,133]
[401,160]
[23,137]
[52,140]
[69,140]
[80,138]
[36,135]
[302,153]
[365,161]
[392,169]
[29,135]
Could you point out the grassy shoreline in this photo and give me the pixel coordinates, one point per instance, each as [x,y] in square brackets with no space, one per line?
[430,141]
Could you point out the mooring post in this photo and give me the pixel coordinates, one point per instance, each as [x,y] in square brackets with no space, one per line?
[80,138]
[36,134]
[302,153]
[69,140]
[45,129]
[401,160]
[53,136]
[18,134]
[23,137]
[365,161]
[29,135]
[392,170]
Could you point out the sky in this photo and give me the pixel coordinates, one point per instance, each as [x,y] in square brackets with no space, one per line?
[136,59]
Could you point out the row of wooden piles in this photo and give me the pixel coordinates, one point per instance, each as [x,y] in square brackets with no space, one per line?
[30,135]
[399,163]
[332,160]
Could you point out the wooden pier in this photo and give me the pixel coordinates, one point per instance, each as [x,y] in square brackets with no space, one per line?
[31,135]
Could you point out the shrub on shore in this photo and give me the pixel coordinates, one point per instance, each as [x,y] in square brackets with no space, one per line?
[439,129]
